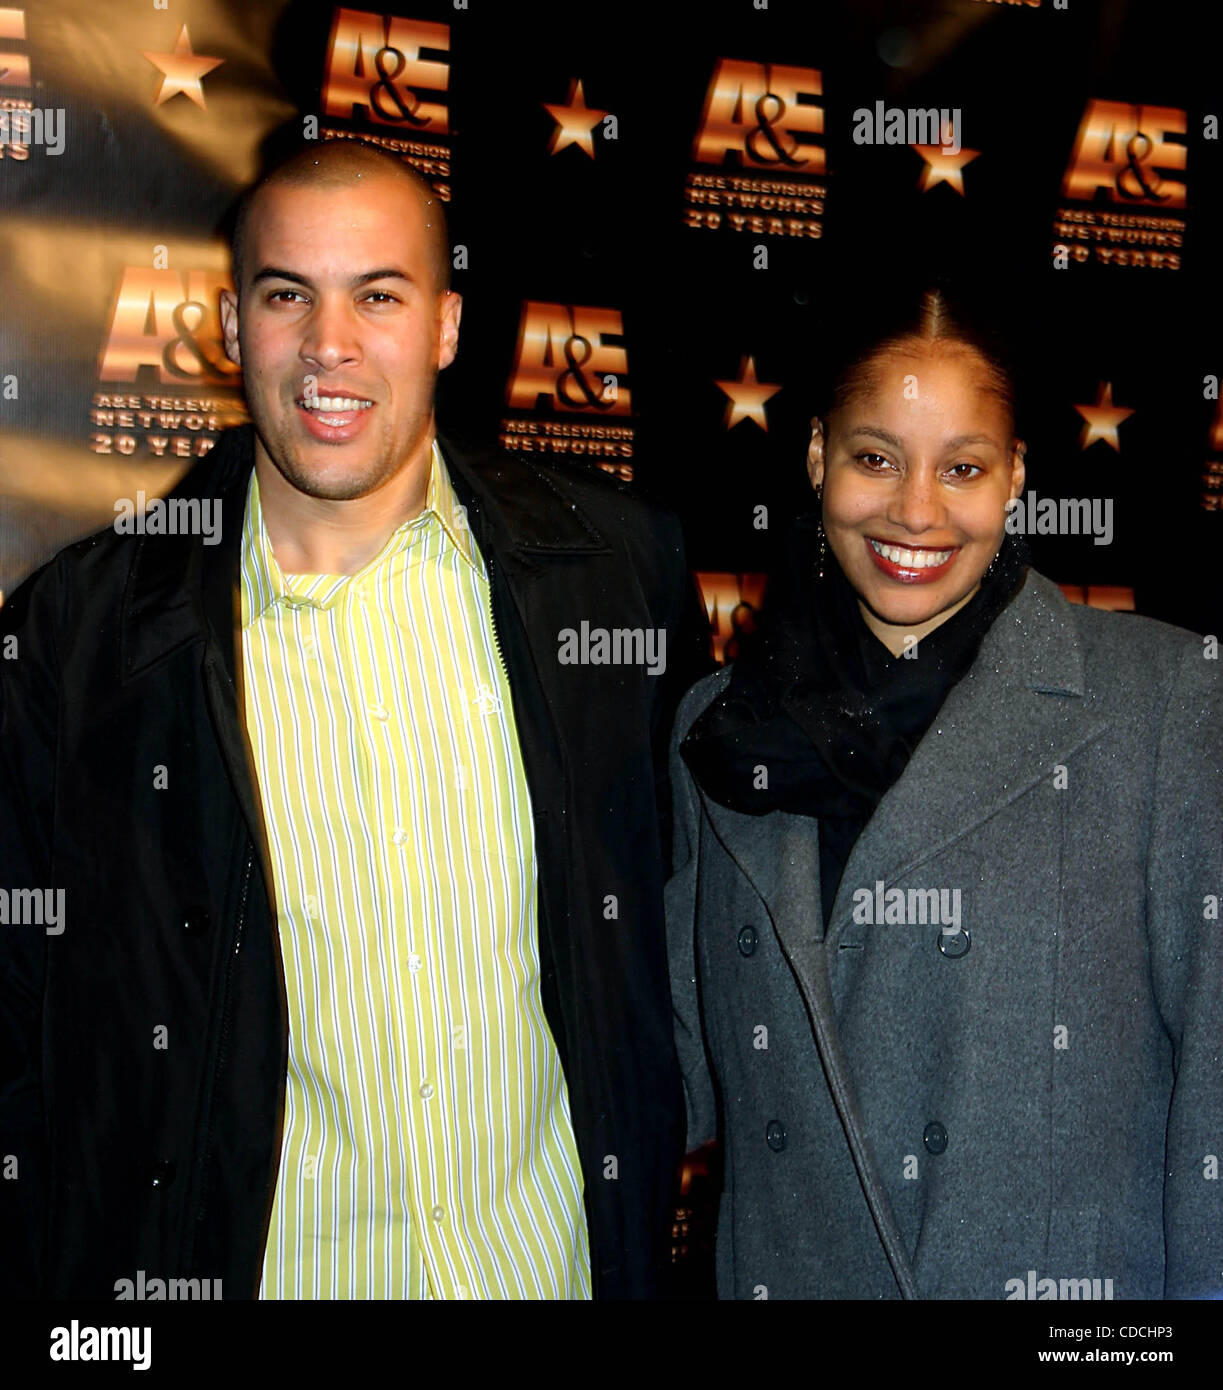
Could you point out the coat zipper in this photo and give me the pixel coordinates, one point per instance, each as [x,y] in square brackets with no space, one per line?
[226,1009]
[492,612]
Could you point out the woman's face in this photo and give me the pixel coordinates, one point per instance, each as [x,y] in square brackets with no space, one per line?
[917,468]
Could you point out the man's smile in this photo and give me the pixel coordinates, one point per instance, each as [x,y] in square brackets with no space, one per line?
[334,419]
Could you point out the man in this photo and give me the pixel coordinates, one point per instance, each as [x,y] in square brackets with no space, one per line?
[360,987]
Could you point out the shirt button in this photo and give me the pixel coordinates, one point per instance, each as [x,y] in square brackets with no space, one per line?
[400,837]
[426,1090]
[935,1137]
[438,1213]
[379,712]
[415,963]
[308,645]
[775,1136]
[747,941]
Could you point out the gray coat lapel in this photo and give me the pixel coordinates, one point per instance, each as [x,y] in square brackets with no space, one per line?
[1016,715]
[779,853]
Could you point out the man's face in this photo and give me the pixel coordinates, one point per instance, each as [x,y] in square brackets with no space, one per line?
[340,332]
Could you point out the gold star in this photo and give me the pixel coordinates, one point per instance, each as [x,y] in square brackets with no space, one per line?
[1102,418]
[182,70]
[747,396]
[942,167]
[575,121]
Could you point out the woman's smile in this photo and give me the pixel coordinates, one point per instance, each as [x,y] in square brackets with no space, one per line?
[911,564]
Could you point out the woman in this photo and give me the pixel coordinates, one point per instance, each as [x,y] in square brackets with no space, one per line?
[946,963]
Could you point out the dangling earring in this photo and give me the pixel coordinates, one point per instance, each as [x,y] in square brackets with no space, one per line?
[823,544]
[992,567]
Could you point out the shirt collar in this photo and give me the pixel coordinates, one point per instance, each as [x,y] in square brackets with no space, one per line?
[263,583]
[443,502]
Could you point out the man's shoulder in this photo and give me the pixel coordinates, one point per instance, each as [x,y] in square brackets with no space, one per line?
[99,564]
[83,564]
[543,488]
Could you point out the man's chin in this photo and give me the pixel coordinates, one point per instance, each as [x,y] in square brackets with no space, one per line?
[327,472]
[327,486]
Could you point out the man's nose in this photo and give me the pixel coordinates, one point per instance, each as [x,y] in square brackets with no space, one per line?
[332,338]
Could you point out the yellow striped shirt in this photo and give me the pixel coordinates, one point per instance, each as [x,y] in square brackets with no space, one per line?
[428,1150]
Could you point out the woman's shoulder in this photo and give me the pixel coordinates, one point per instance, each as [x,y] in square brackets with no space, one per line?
[1126,651]
[699,697]
[1114,629]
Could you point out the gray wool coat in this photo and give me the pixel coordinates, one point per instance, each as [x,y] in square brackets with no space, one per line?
[1024,1103]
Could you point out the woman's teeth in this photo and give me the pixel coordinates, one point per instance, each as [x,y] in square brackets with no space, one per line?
[911,559]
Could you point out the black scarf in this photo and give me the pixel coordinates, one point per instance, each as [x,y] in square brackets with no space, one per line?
[820,711]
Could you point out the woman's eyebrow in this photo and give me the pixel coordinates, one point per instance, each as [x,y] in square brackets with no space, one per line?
[961,439]
[883,434]
[957,443]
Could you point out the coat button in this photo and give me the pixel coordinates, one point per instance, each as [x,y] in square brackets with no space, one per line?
[197,924]
[775,1136]
[747,941]
[163,1173]
[934,1137]
[955,944]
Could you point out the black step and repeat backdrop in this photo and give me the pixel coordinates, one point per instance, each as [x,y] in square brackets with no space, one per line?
[653,209]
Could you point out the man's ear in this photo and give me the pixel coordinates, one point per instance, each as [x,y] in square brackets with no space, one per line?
[229,327]
[448,328]
[815,452]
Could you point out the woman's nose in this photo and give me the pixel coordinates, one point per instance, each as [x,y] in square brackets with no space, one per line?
[916,505]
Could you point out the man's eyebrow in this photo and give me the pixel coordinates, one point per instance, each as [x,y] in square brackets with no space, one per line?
[388,272]
[957,443]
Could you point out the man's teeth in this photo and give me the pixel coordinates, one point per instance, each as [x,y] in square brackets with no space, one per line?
[912,559]
[334,403]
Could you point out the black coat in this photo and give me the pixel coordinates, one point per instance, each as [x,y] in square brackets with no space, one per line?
[164,1158]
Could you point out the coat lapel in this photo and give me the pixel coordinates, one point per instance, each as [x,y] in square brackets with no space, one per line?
[1015,716]
[181,591]
[779,854]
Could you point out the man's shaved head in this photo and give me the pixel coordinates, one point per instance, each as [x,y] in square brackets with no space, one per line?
[343,165]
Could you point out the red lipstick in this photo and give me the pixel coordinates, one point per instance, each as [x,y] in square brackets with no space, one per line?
[907,573]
